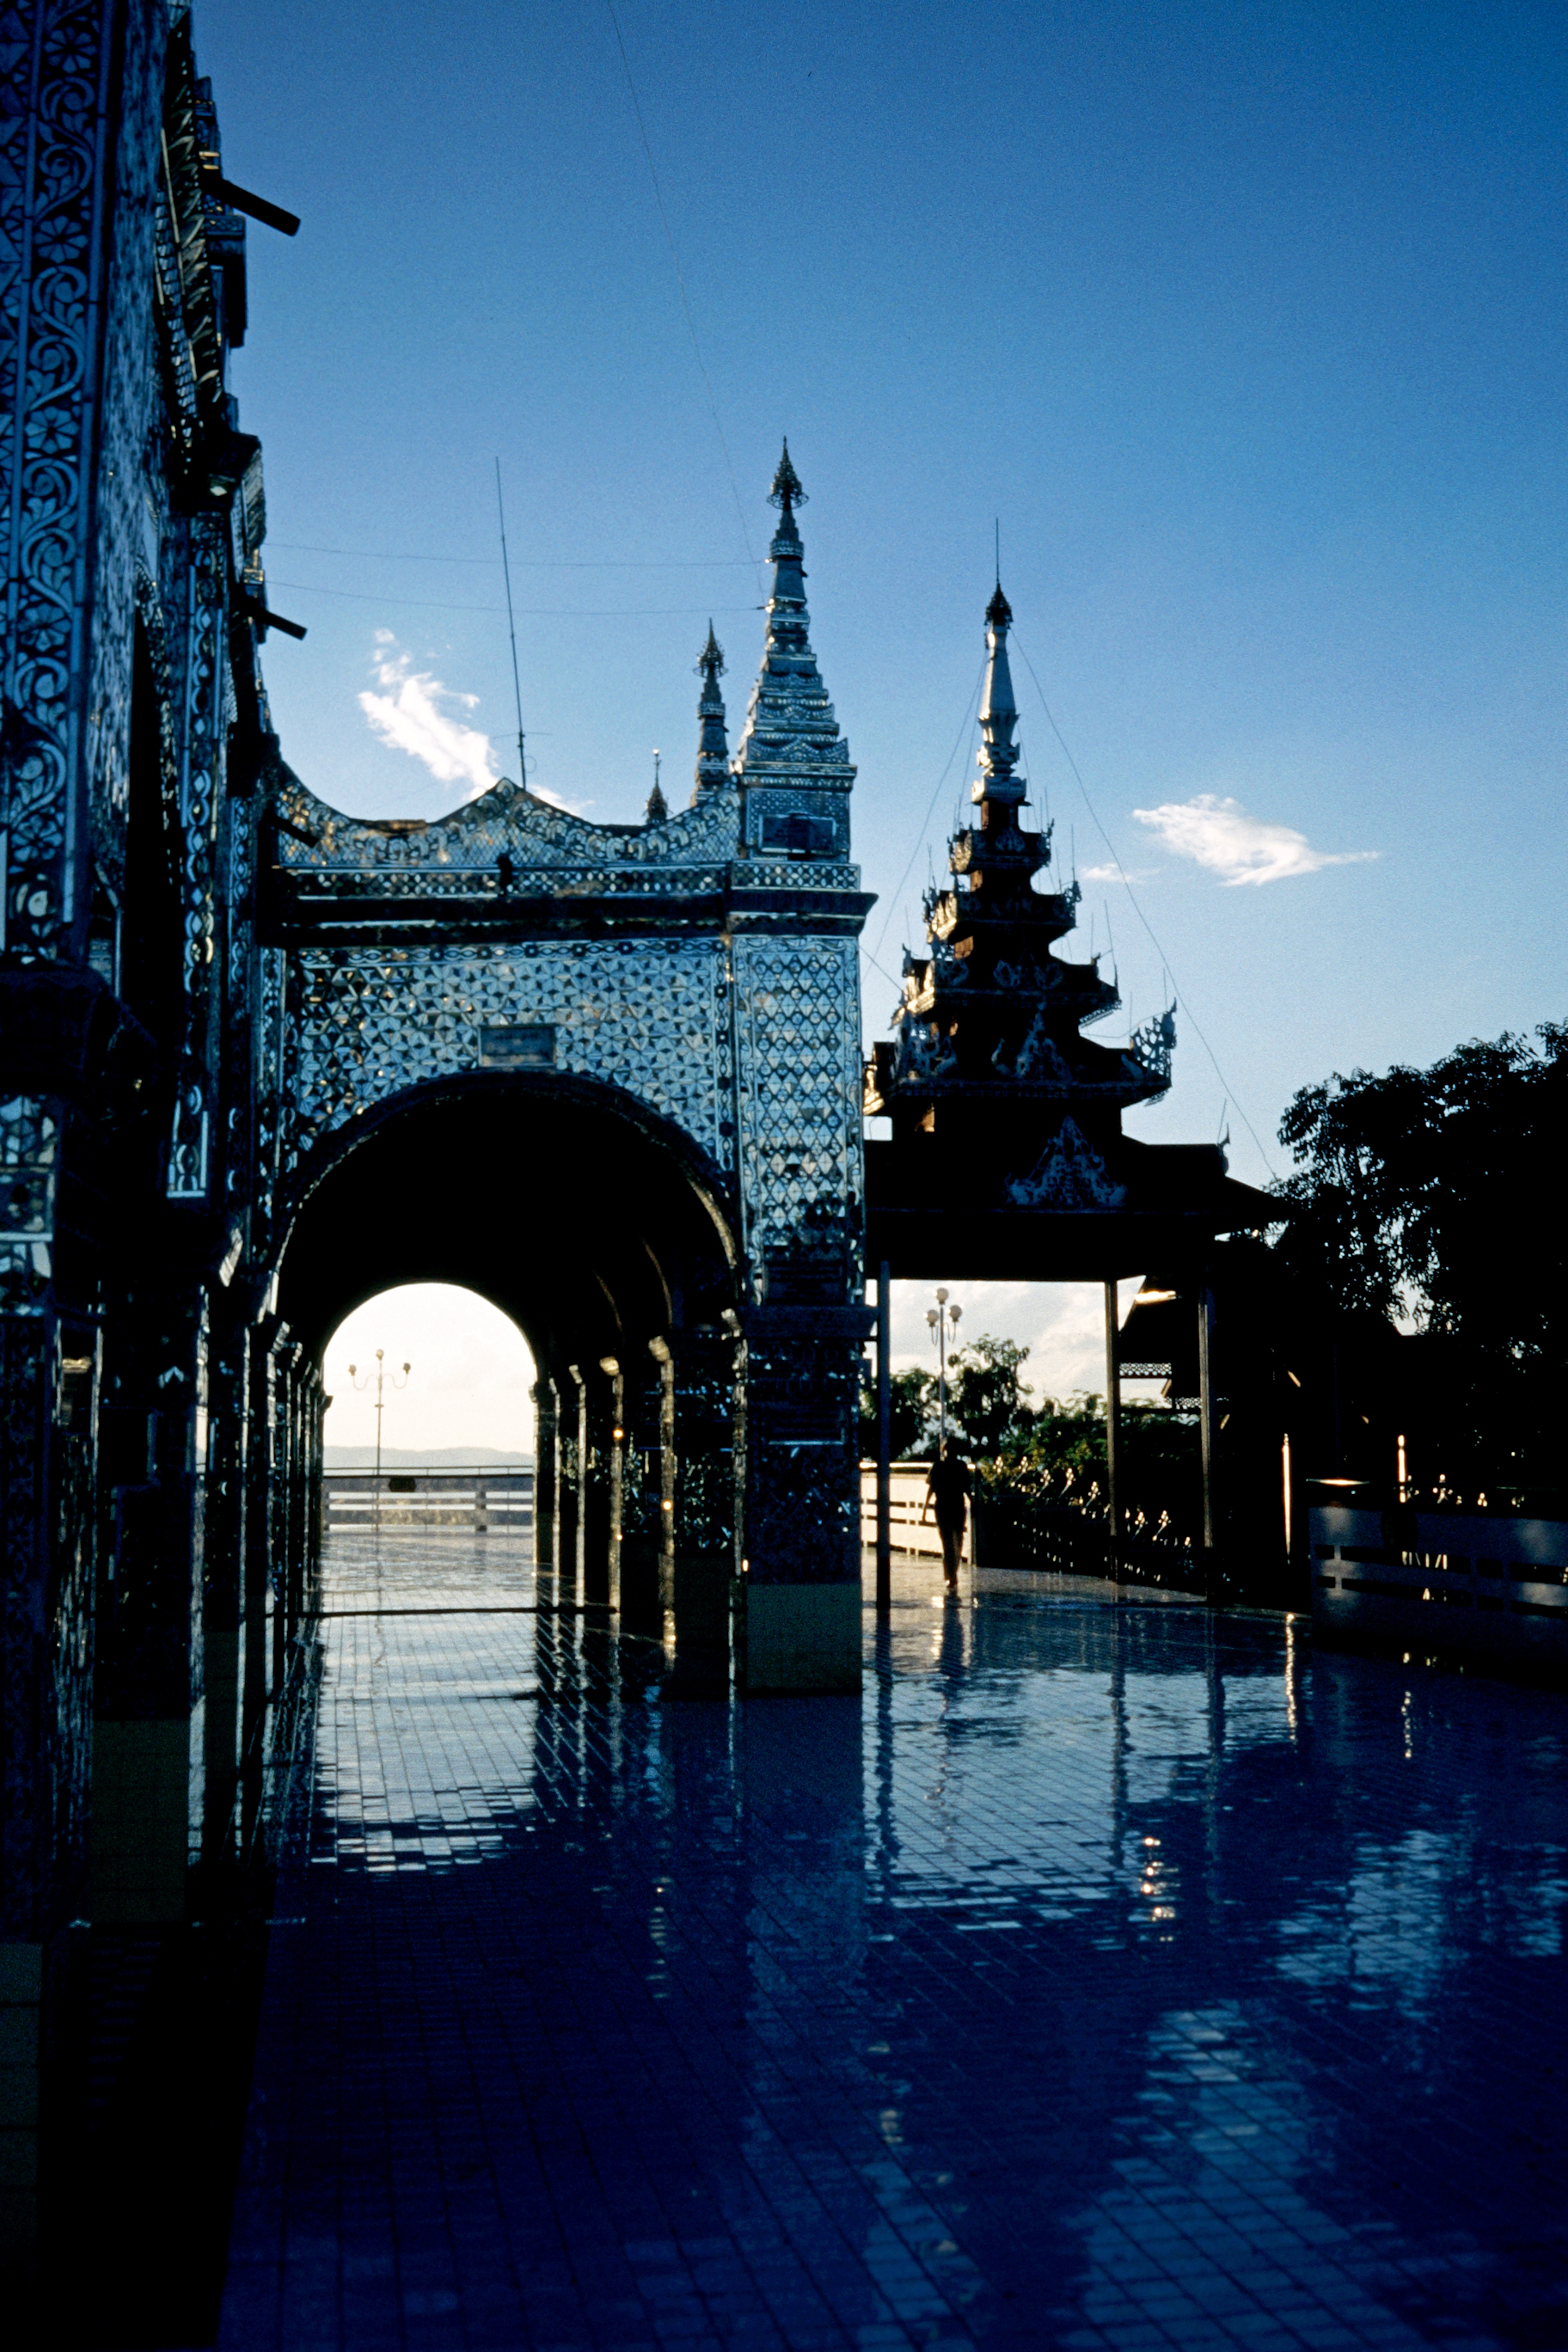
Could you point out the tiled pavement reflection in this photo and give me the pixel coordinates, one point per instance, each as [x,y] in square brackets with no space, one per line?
[1104,1977]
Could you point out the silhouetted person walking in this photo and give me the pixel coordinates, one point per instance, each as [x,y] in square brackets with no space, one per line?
[949,1483]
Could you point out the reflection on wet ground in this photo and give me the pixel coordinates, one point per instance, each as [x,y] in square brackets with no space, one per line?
[1105,1976]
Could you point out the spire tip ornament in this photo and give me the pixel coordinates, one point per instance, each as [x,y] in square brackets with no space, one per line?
[712,740]
[786,491]
[710,660]
[999,613]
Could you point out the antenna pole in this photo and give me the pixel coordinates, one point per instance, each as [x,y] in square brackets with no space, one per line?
[998,531]
[512,625]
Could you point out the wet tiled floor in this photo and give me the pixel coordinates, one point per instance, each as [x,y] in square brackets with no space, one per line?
[1106,1976]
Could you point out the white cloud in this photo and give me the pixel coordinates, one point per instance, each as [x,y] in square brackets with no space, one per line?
[413,714]
[1061,1324]
[1219,834]
[1113,873]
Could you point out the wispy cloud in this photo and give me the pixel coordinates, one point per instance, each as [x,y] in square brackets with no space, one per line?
[1217,832]
[1113,873]
[414,713]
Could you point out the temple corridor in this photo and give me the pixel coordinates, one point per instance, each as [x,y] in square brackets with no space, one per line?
[1106,1975]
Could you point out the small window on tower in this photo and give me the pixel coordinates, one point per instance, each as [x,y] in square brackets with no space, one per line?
[798,836]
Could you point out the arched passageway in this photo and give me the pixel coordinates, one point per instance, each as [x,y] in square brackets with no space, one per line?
[598,1230]
[467,1398]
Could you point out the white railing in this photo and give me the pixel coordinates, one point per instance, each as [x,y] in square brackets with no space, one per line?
[1495,1588]
[906,1500]
[483,1496]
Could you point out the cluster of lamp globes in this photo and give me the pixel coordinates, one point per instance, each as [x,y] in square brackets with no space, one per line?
[378,1375]
[383,1379]
[939,1329]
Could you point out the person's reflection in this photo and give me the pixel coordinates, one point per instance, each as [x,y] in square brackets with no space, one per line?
[950,1659]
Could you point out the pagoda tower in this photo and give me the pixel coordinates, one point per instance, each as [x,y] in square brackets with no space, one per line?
[987,1055]
[792,765]
[712,740]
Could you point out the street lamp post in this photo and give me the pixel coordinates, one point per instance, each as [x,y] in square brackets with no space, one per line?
[383,1379]
[938,1324]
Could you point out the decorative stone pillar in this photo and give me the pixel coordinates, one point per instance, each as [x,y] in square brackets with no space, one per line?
[569,1453]
[261,1549]
[47,1415]
[602,1393]
[697,1570]
[149,1699]
[642,1491]
[802,1573]
[224,1633]
[545,1418]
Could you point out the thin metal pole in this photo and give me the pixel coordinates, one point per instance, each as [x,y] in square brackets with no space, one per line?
[884,1443]
[1205,1404]
[512,625]
[1112,1430]
[941,1373]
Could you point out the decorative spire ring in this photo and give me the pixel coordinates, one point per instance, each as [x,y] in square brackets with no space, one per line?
[786,491]
[710,660]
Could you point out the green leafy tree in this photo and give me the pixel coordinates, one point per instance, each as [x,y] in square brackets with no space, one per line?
[1432,1193]
[913,1403]
[1056,1457]
[986,1396]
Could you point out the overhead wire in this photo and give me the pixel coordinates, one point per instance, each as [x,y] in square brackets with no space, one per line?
[526,562]
[925,828]
[1138,910]
[530,612]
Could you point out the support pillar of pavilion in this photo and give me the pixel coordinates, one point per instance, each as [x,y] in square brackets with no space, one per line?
[696,1565]
[802,1570]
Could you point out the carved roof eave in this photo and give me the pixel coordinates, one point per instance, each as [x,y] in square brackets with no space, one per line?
[1074,1005]
[1089,1090]
[1047,915]
[313,837]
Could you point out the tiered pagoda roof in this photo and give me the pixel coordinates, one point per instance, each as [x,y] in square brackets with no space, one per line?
[987,1050]
[791,741]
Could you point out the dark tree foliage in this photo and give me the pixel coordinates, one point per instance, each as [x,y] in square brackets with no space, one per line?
[1057,1457]
[1438,1192]
[985,1394]
[913,1408]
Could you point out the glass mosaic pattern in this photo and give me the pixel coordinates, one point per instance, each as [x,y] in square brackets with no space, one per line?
[649,1016]
[798,1028]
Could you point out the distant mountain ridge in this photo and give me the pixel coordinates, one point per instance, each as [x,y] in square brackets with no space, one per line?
[449,1458]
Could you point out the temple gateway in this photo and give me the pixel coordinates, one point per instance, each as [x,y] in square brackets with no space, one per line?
[259,1061]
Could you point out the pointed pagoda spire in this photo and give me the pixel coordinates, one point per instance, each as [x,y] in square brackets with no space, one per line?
[712,742]
[791,731]
[786,606]
[657,808]
[987,1041]
[786,491]
[999,754]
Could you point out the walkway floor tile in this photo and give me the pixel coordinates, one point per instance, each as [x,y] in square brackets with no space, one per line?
[1106,1977]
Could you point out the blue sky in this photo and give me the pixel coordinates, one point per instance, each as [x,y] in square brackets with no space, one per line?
[1246,320]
